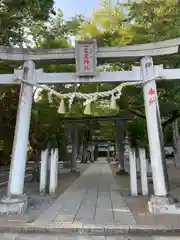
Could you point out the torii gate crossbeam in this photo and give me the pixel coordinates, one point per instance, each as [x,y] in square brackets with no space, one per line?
[104,55]
[134,75]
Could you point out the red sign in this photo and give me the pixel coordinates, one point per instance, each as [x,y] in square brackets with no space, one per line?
[151,92]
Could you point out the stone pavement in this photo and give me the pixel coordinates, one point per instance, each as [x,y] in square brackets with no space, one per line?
[138,205]
[97,204]
[93,199]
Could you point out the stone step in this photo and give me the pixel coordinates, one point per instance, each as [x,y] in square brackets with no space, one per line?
[89,229]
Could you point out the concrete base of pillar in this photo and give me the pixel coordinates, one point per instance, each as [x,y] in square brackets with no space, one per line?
[75,171]
[163,205]
[43,192]
[17,204]
[122,172]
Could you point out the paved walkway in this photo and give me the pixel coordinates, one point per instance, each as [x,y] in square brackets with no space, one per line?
[94,198]
[94,205]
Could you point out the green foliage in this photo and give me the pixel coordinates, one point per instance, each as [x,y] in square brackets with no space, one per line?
[33,23]
[137,133]
[17,15]
[8,109]
[72,26]
[108,26]
[146,21]
[155,20]
[43,130]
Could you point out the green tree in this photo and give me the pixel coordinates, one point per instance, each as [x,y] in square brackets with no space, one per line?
[146,21]
[16,16]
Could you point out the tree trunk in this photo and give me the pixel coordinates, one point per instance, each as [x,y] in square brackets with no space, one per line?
[108,152]
[85,146]
[74,148]
[80,151]
[36,170]
[120,137]
[176,143]
[84,153]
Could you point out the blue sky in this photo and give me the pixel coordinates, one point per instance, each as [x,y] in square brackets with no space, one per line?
[71,7]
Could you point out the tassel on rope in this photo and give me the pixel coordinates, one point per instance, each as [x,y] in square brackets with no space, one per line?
[71,99]
[87,110]
[113,103]
[50,97]
[61,109]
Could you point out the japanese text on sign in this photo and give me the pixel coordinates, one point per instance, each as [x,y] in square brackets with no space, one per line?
[152,96]
[86,58]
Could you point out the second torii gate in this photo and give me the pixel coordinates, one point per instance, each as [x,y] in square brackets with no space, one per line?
[147,73]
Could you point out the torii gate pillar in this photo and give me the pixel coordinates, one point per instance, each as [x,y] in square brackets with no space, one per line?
[17,200]
[159,203]
[152,115]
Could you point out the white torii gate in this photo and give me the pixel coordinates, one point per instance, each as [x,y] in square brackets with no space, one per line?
[28,77]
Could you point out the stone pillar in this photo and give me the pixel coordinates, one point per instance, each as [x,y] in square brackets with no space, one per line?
[19,153]
[133,173]
[16,202]
[143,170]
[74,149]
[53,172]
[152,112]
[43,171]
[92,152]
